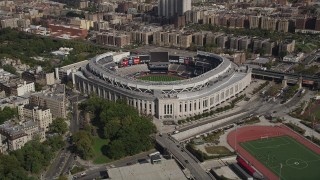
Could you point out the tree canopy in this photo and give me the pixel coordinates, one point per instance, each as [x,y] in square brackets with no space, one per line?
[59,126]
[7,113]
[9,69]
[127,131]
[83,142]
[20,45]
[32,158]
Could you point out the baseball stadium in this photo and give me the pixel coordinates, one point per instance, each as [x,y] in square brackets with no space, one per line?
[276,152]
[165,86]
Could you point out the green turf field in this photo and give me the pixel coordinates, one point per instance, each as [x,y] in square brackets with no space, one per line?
[298,162]
[159,78]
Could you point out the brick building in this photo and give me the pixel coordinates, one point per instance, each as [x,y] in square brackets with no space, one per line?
[69,30]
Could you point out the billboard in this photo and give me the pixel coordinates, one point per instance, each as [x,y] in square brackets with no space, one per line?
[130,61]
[136,60]
[125,63]
[187,60]
[159,56]
[181,59]
[174,59]
[144,58]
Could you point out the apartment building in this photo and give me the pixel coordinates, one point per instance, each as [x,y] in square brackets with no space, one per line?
[14,136]
[81,23]
[59,29]
[268,47]
[234,42]
[254,22]
[175,39]
[222,41]
[141,37]
[39,77]
[13,101]
[283,25]
[56,102]
[113,39]
[268,23]
[17,87]
[211,38]
[244,43]
[199,38]
[9,23]
[39,114]
[287,46]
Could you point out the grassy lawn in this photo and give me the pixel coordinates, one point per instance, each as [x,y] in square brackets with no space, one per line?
[160,78]
[219,150]
[100,158]
[297,161]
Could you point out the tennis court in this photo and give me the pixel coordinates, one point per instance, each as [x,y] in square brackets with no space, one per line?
[285,157]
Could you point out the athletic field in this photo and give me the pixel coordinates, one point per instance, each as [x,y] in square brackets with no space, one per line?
[297,161]
[159,78]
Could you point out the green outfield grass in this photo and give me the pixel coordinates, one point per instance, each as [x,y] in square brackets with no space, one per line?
[160,78]
[298,161]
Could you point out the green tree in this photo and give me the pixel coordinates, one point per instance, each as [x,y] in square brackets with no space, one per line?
[83,142]
[55,142]
[38,87]
[9,69]
[127,130]
[59,126]
[116,149]
[7,113]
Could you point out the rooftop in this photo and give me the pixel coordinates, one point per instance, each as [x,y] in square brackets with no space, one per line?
[14,130]
[31,107]
[167,169]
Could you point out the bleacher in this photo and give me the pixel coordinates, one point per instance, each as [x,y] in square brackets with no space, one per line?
[177,68]
[125,71]
[105,60]
[181,68]
[173,67]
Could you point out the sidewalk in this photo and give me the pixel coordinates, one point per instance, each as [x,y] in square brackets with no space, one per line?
[309,131]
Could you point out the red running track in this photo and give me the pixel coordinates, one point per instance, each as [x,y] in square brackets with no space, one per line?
[250,133]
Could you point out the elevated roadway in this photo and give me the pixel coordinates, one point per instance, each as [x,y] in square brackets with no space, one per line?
[291,77]
[183,156]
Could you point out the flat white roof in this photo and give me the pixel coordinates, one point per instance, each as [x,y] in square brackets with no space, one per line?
[167,169]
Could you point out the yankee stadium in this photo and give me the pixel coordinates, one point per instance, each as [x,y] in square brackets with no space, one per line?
[165,86]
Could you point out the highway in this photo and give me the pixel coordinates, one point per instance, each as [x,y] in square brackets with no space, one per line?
[186,159]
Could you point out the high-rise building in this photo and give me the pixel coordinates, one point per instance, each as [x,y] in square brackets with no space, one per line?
[54,100]
[254,22]
[171,8]
[39,114]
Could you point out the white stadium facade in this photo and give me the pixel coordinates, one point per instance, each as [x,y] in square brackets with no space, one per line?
[167,100]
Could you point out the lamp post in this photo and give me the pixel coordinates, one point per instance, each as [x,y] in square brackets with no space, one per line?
[235,137]
[280,171]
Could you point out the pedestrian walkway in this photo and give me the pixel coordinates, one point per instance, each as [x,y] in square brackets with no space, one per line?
[309,131]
